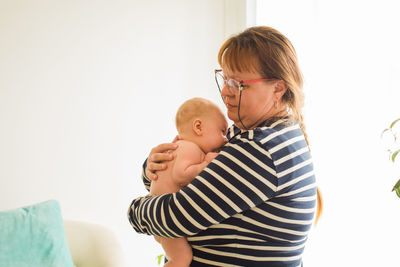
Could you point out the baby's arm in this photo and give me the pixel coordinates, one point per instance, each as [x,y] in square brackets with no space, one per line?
[190,161]
[210,156]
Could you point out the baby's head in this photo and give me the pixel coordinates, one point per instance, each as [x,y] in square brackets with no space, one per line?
[202,122]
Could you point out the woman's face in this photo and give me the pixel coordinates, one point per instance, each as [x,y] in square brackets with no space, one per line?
[257,102]
[214,133]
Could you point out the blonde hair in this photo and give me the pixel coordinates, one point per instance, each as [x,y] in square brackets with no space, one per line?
[265,50]
[192,109]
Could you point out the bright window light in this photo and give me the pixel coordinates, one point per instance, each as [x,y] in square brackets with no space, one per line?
[350,58]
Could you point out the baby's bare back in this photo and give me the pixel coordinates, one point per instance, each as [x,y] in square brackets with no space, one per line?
[180,171]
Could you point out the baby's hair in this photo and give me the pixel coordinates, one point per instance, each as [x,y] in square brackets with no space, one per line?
[192,109]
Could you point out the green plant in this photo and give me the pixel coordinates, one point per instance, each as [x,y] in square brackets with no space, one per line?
[394,150]
[159,258]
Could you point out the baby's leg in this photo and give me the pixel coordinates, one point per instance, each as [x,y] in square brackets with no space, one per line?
[178,251]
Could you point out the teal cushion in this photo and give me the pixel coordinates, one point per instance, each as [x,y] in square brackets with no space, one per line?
[34,236]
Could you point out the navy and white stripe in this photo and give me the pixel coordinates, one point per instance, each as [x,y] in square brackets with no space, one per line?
[253,205]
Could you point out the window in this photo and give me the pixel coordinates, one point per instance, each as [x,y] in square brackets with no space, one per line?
[350,58]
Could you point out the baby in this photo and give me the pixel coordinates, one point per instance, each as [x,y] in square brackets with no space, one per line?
[201,129]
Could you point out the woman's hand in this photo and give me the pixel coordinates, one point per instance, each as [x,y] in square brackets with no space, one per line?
[158,157]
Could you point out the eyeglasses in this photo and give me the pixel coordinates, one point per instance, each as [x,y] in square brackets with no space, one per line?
[234,86]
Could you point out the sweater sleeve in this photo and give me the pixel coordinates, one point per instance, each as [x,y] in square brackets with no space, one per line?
[241,177]
[146,180]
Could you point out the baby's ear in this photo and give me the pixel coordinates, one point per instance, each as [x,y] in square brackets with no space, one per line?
[197,127]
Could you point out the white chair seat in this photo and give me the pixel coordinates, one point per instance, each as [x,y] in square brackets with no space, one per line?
[93,245]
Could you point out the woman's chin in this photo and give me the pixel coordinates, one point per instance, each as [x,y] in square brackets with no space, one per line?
[232,115]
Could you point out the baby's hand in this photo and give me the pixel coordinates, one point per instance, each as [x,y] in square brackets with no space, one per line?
[210,156]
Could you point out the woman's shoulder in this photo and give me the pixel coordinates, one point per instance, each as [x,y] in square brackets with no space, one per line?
[270,134]
[277,133]
[279,139]
[282,141]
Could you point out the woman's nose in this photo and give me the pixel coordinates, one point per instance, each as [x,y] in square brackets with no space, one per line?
[225,92]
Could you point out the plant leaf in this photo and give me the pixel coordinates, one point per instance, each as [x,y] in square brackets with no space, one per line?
[396,188]
[394,155]
[393,123]
[398,192]
[159,257]
[387,129]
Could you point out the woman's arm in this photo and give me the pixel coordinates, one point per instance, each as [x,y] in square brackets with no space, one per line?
[239,178]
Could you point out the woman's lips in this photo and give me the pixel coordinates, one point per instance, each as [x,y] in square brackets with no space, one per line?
[229,106]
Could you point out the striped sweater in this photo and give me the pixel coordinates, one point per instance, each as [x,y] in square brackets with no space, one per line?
[253,205]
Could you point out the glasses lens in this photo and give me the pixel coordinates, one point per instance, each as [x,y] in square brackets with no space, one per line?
[233,86]
[219,78]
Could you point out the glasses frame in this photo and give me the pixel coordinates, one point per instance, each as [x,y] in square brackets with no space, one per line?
[232,82]
[235,87]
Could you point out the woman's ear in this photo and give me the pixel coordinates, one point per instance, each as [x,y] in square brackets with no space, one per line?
[197,127]
[280,90]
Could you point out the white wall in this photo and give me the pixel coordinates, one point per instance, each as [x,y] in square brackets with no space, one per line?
[350,57]
[88,87]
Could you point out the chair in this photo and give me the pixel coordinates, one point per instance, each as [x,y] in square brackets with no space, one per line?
[93,245]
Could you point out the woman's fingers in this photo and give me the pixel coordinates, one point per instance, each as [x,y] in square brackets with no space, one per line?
[163,148]
[160,157]
[152,168]
[157,159]
[151,175]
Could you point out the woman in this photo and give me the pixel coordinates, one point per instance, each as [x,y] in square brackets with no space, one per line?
[254,204]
